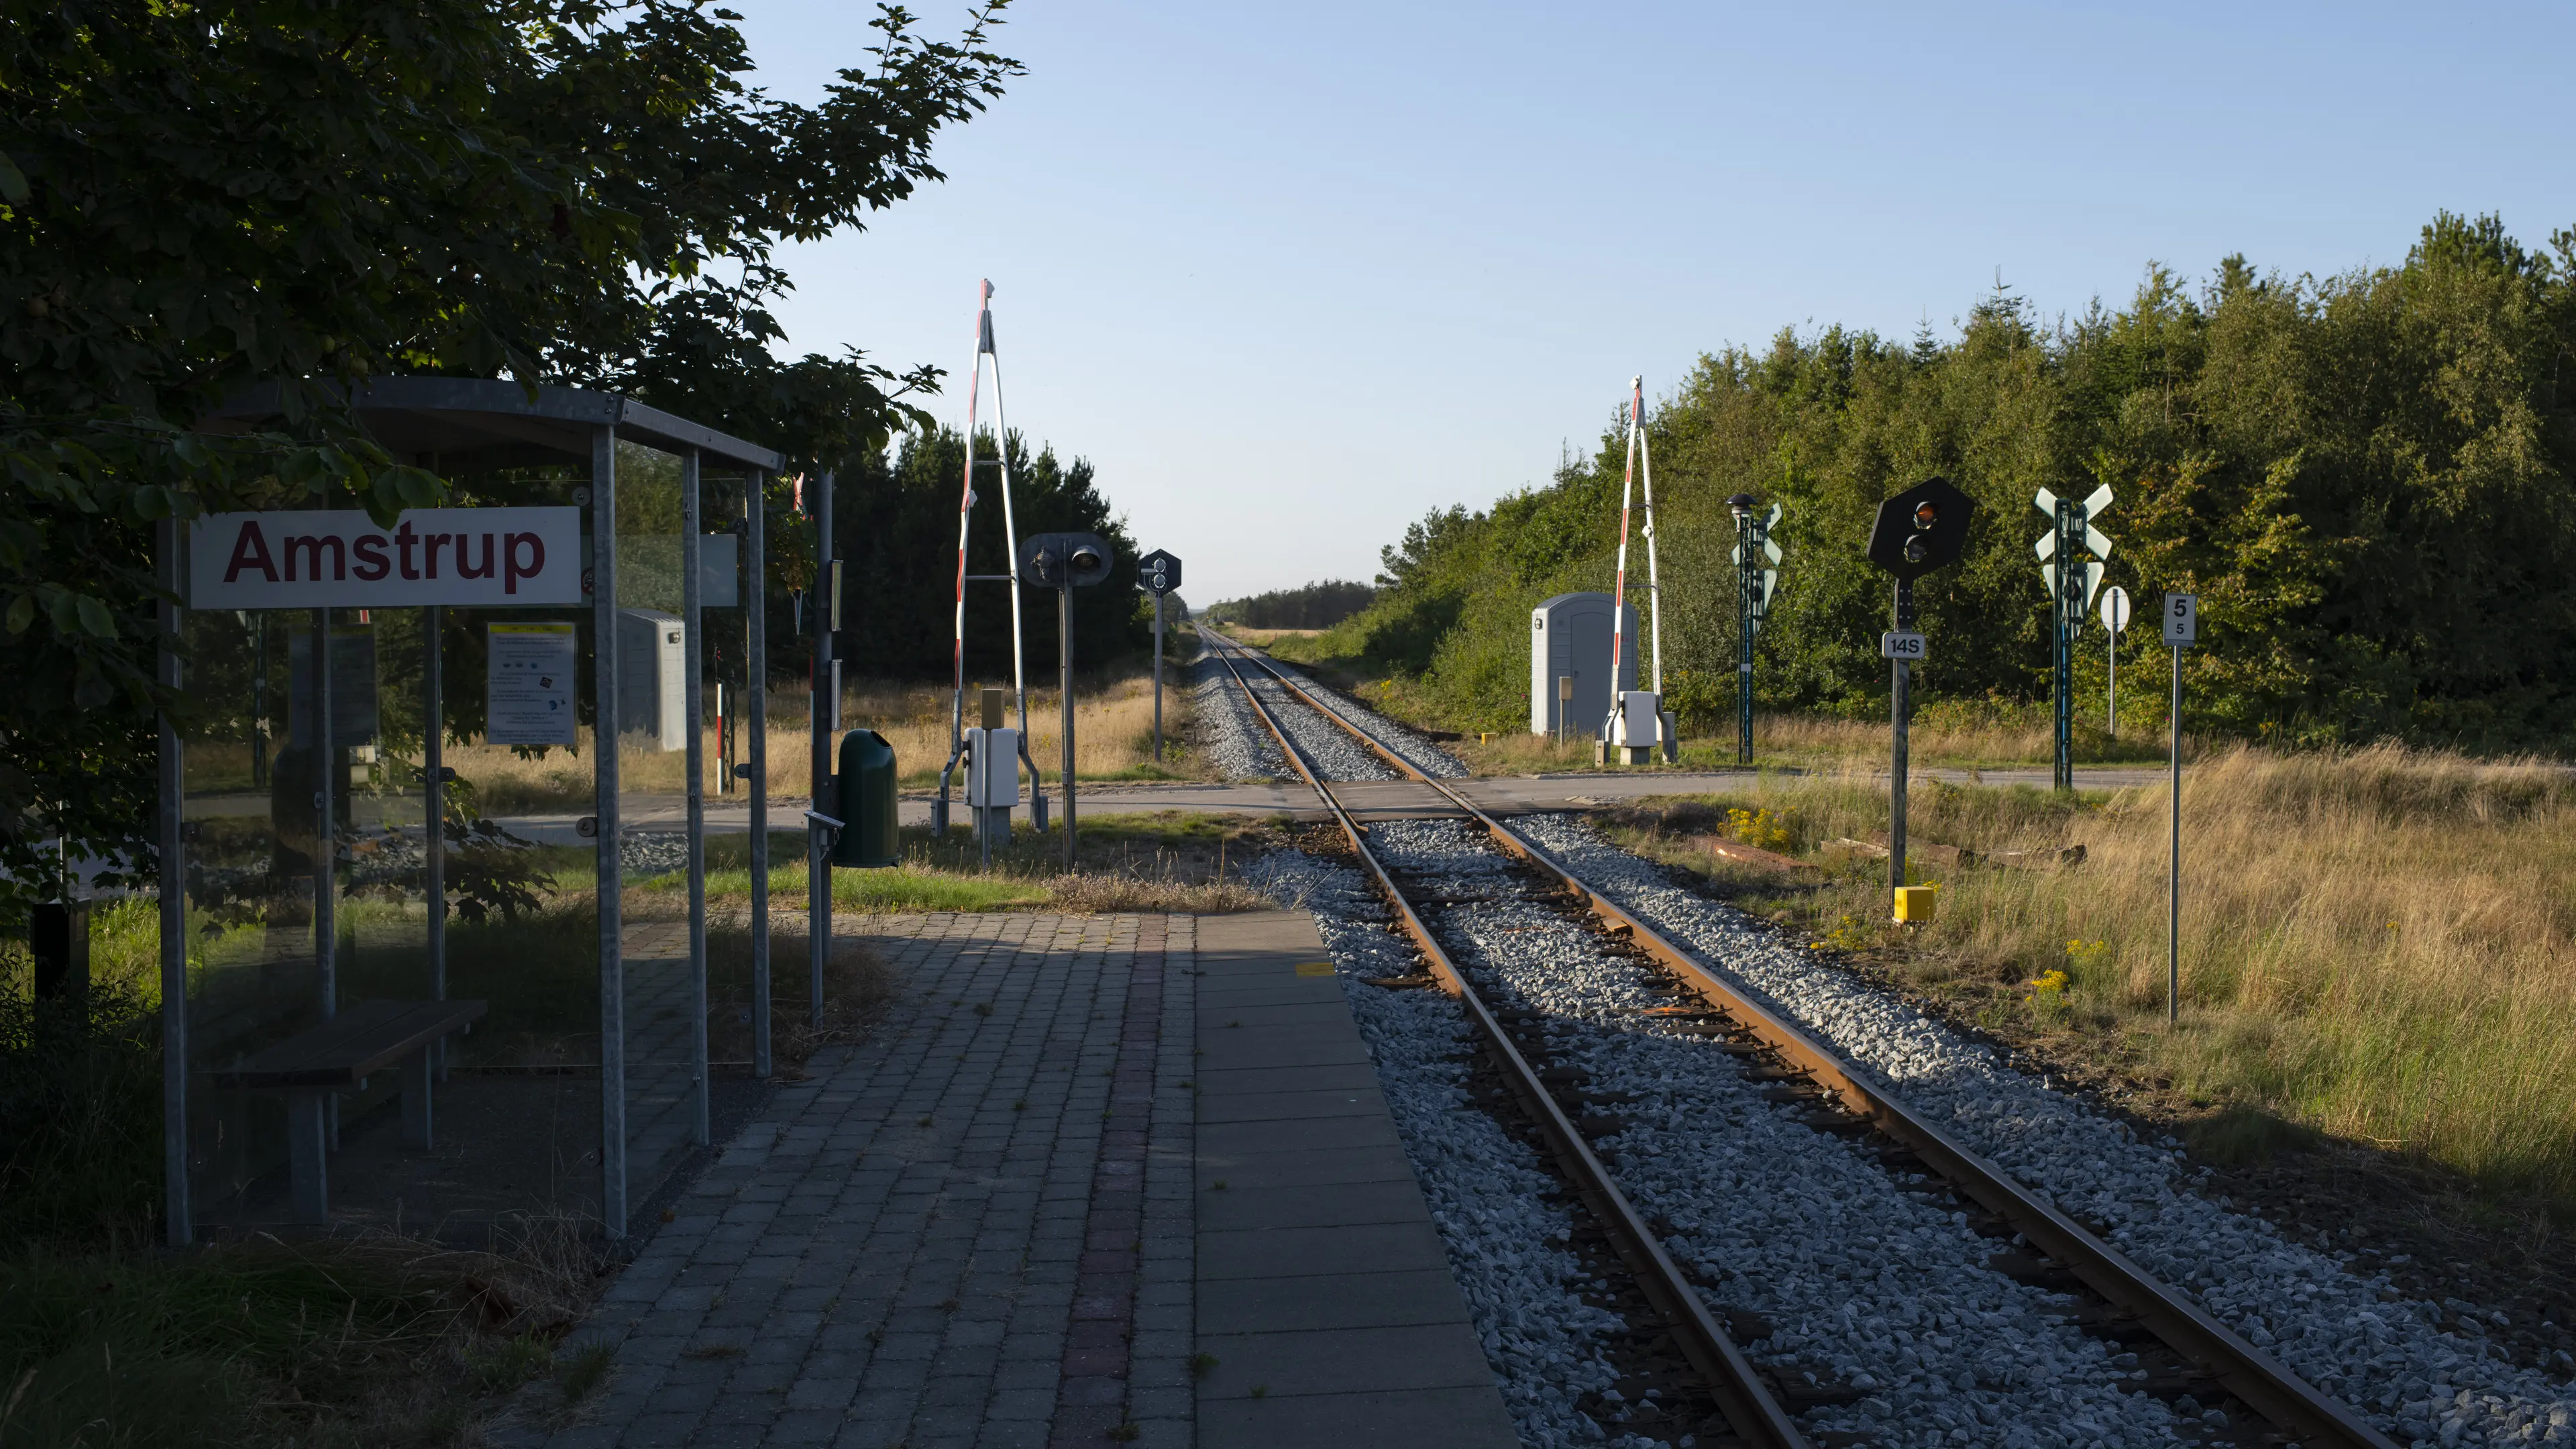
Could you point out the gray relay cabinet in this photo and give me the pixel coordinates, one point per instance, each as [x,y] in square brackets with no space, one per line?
[1570,638]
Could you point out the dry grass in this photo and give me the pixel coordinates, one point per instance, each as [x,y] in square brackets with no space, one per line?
[2375,944]
[1113,740]
[378,1340]
[1951,738]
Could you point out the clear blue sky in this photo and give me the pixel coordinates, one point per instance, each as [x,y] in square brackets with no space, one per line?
[1291,275]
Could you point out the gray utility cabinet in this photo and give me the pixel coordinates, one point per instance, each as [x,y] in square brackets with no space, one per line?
[652,684]
[1570,636]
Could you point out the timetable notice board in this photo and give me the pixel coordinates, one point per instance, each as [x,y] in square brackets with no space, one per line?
[530,684]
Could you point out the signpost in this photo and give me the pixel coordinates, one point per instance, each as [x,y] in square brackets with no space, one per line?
[1917,531]
[2070,591]
[2115,617]
[1065,562]
[2182,630]
[1158,573]
[1754,586]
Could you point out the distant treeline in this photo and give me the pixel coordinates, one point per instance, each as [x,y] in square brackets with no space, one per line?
[2366,478]
[1316,606]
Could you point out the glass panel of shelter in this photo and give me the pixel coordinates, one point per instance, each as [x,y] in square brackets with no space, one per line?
[656,705]
[518,1130]
[287,936]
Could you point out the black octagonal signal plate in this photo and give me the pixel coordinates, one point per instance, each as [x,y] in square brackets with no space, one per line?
[1940,544]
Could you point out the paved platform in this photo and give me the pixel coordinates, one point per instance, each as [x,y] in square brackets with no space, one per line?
[994,1221]
[971,1228]
[1326,1311]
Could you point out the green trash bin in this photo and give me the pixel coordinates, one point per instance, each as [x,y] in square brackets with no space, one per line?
[864,789]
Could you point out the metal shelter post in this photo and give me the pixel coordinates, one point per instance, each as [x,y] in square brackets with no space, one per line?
[180,1225]
[326,898]
[1158,677]
[612,923]
[826,704]
[755,597]
[433,803]
[693,713]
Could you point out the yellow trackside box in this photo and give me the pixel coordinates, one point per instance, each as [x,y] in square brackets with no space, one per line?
[1915,903]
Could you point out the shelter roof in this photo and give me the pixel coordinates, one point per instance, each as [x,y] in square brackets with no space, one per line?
[469,422]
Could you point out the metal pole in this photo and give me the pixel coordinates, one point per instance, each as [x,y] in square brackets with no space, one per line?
[433,754]
[1746,572]
[1901,708]
[693,713]
[612,920]
[1064,666]
[180,1228]
[2111,717]
[2173,866]
[326,932]
[2069,586]
[755,676]
[1158,678]
[818,866]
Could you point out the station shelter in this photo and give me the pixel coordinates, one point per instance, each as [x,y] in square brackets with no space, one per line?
[436,837]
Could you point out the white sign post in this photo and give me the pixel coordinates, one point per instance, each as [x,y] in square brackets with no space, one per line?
[2115,617]
[2182,630]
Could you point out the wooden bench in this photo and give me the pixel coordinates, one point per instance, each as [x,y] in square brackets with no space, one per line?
[338,1055]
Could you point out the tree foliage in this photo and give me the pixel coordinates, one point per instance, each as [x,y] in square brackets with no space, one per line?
[897,519]
[2365,477]
[196,196]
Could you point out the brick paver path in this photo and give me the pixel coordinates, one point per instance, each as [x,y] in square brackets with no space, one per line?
[972,1228]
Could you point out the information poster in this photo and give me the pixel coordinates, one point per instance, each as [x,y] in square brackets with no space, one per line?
[529,692]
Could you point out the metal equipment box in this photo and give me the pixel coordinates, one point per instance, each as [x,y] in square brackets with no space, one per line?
[652,678]
[1570,637]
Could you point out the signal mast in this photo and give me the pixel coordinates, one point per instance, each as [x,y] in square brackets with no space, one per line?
[959,737]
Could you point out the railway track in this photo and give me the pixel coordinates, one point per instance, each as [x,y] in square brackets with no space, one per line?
[2168,1344]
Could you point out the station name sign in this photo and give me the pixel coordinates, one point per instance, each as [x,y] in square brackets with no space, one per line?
[339,558]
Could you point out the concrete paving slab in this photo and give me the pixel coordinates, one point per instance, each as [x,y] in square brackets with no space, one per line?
[1461,1418]
[1219,1141]
[1340,1247]
[1327,1301]
[1339,1308]
[1309,1205]
[1320,1077]
[1342,1360]
[1304,1167]
[1279,1106]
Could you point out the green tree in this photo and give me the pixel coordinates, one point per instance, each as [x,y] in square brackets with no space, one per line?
[198,196]
[2366,477]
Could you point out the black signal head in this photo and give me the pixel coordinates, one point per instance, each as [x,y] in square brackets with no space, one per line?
[1921,529]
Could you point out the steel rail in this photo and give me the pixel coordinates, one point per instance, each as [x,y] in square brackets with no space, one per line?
[1731,1378]
[2264,1383]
